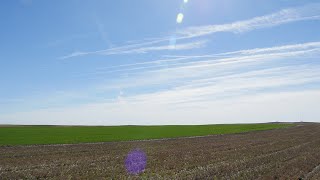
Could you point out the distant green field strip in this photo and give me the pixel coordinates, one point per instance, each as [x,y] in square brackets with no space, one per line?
[28,135]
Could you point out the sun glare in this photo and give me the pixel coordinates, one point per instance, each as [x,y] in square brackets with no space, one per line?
[179,18]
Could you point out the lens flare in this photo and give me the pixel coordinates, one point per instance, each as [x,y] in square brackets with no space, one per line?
[185,1]
[179,18]
[173,41]
[136,162]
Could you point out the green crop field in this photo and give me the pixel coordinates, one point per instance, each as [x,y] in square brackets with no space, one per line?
[28,135]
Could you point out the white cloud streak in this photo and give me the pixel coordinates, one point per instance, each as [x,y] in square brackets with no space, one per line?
[266,107]
[240,57]
[130,49]
[285,16]
[205,92]
[304,13]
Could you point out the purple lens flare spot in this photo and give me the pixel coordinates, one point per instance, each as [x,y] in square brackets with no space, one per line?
[136,162]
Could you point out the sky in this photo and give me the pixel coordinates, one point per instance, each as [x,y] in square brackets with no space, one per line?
[159,62]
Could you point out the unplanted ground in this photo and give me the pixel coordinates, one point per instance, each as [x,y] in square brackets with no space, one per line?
[287,153]
[27,135]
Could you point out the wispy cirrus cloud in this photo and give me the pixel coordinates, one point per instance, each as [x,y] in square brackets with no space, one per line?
[275,51]
[286,106]
[240,57]
[289,15]
[201,88]
[284,16]
[138,50]
[209,69]
[202,101]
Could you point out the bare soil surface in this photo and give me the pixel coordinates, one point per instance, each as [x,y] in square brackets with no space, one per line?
[289,153]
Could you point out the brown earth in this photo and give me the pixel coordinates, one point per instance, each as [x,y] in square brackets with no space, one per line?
[289,153]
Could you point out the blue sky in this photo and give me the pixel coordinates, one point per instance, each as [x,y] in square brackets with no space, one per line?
[133,62]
